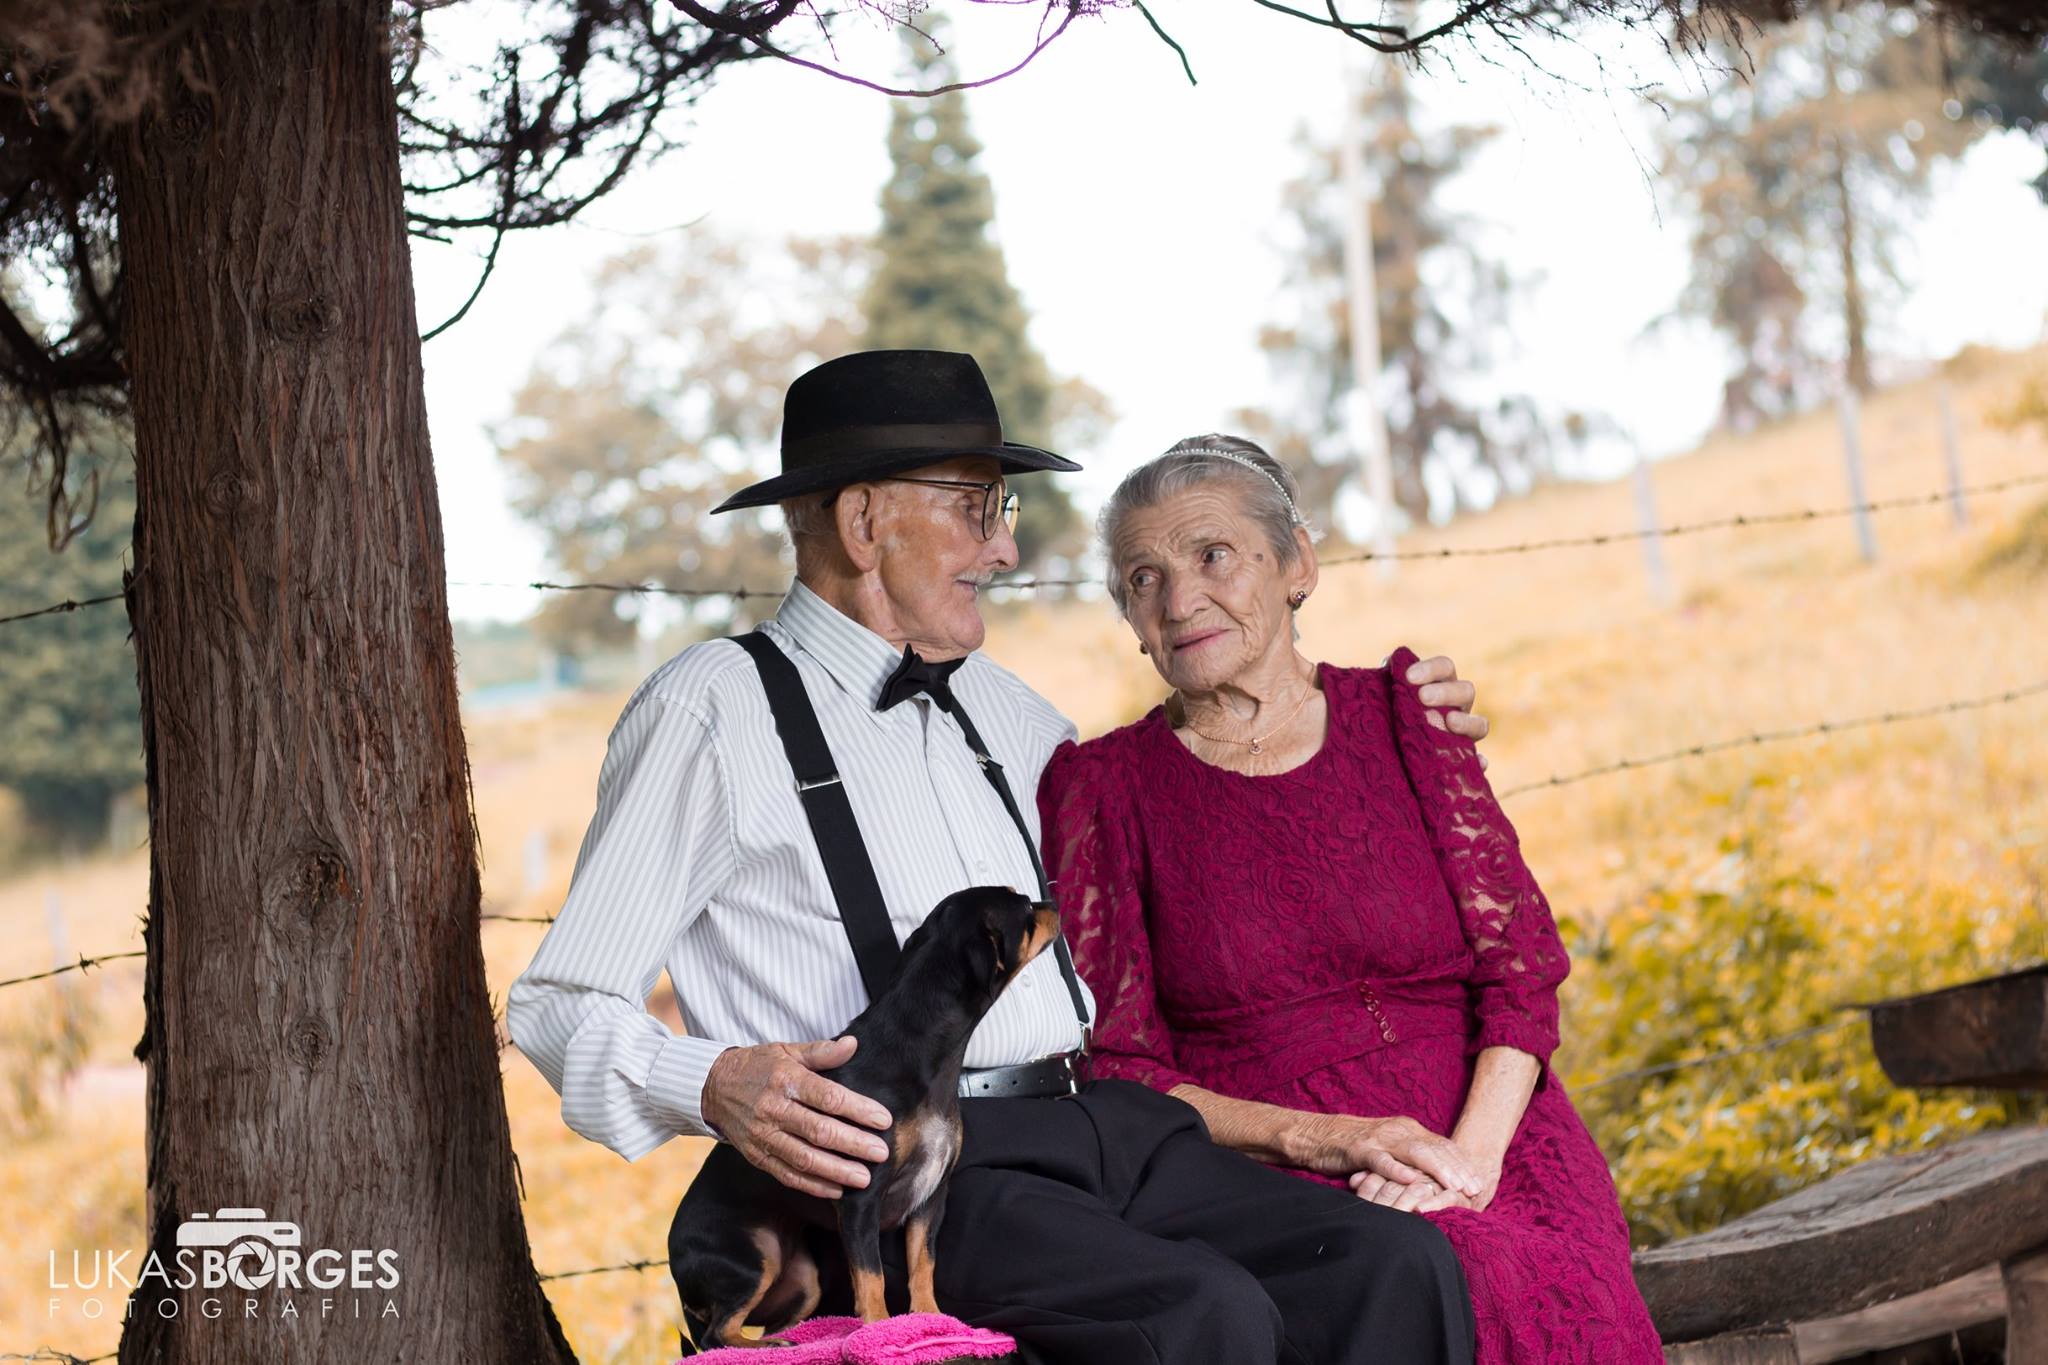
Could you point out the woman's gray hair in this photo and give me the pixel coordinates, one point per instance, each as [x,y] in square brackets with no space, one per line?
[1265,490]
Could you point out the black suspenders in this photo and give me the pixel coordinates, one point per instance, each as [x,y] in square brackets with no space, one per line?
[861,908]
[840,846]
[993,771]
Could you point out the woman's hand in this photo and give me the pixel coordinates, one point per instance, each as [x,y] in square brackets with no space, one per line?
[1398,1150]
[1425,1195]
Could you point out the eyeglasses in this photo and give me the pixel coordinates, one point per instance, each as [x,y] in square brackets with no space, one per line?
[997,502]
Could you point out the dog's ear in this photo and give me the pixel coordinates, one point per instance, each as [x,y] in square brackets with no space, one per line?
[999,952]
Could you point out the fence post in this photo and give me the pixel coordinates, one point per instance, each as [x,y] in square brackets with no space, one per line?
[1951,453]
[536,860]
[1852,453]
[1646,522]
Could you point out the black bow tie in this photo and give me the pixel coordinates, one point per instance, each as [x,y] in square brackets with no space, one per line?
[913,675]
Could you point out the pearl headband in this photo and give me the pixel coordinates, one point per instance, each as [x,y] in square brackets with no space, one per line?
[1212,452]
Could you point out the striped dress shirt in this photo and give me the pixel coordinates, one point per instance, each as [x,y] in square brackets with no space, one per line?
[700,860]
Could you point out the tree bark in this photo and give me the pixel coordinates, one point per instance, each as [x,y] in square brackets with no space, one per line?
[318,1035]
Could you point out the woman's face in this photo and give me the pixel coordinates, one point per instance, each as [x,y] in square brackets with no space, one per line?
[1203,588]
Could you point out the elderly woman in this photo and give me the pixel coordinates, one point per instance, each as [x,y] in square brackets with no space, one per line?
[1303,912]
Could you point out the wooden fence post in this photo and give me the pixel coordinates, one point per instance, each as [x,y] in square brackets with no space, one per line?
[1852,453]
[1951,454]
[1646,522]
[536,860]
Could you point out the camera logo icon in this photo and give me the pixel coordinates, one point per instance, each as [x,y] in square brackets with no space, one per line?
[250,1239]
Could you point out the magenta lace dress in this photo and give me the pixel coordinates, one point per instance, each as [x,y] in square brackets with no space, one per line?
[1345,938]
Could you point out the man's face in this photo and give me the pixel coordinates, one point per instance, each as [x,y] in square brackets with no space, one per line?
[933,559]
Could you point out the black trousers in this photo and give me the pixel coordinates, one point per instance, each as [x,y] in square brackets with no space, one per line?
[1106,1228]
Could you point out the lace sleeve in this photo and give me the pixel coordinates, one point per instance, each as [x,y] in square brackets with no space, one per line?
[1519,959]
[1104,920]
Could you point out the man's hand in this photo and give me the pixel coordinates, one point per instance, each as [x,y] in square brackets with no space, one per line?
[1395,1150]
[1438,684]
[771,1103]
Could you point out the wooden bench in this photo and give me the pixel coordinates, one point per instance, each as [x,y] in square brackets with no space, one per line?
[1991,1033]
[1890,1252]
[1897,1250]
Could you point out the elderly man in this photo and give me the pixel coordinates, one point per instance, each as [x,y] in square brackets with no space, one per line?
[773,875]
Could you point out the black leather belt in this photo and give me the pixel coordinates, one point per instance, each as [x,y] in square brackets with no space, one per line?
[1059,1074]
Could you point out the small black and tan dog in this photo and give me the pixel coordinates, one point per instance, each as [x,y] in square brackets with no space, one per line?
[739,1245]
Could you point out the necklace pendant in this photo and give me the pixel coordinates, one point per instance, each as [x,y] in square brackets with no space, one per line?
[1255,747]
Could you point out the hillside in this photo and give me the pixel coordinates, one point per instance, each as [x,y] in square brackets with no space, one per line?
[1576,664]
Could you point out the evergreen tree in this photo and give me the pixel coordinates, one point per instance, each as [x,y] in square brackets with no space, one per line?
[1440,301]
[940,282]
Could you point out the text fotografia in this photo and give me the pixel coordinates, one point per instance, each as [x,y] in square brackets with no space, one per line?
[234,1249]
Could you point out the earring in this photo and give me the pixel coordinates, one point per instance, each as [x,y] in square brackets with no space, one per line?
[1299,596]
[1144,648]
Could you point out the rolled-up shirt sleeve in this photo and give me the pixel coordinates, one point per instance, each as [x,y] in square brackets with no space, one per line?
[660,846]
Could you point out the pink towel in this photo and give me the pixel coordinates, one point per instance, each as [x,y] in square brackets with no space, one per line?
[913,1339]
[924,1339]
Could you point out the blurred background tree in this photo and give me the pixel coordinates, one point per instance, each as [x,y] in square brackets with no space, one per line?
[1442,302]
[644,415]
[70,715]
[667,395]
[940,281]
[1800,168]
[2007,89]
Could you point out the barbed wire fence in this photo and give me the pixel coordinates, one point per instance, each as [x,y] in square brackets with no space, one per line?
[1739,521]
[1730,522]
[82,964]
[1622,765]
[54,609]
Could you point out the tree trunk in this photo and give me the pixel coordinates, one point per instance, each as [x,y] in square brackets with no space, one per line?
[1853,319]
[318,1034]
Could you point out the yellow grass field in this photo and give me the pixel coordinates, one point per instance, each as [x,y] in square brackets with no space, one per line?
[1576,664]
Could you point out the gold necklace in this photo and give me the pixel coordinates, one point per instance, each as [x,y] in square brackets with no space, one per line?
[1255,743]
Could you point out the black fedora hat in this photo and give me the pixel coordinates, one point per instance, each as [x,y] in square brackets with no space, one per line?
[875,413]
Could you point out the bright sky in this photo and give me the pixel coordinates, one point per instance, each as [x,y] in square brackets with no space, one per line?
[1141,217]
